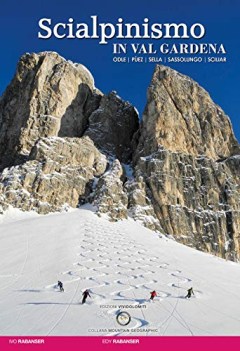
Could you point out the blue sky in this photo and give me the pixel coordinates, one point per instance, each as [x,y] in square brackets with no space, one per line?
[19,27]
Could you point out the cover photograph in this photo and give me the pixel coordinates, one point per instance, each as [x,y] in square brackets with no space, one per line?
[119,174]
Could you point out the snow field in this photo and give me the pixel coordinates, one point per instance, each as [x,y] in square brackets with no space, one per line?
[121,263]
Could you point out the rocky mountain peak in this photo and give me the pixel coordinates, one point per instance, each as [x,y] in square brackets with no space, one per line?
[188,157]
[46,98]
[113,125]
[64,143]
[181,117]
[50,96]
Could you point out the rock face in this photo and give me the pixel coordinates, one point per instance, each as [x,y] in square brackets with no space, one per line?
[181,116]
[113,125]
[46,113]
[187,156]
[48,96]
[109,196]
[140,203]
[64,143]
[58,174]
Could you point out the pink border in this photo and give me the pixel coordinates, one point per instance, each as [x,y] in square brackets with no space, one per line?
[24,343]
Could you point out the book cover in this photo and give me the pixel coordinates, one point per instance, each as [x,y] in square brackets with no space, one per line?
[119,174]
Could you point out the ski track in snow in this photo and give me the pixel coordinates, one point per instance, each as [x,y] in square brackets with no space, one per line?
[118,269]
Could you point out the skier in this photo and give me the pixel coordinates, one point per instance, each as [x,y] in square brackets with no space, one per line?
[60,285]
[85,295]
[153,294]
[190,293]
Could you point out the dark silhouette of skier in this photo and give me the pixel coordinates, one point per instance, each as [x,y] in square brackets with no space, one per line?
[153,294]
[60,285]
[85,295]
[190,293]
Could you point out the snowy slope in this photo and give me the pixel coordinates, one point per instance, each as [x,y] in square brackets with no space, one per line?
[120,263]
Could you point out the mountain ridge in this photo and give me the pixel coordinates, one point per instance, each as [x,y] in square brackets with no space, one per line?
[64,143]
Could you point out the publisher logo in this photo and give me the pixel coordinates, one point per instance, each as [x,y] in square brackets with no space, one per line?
[123,318]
